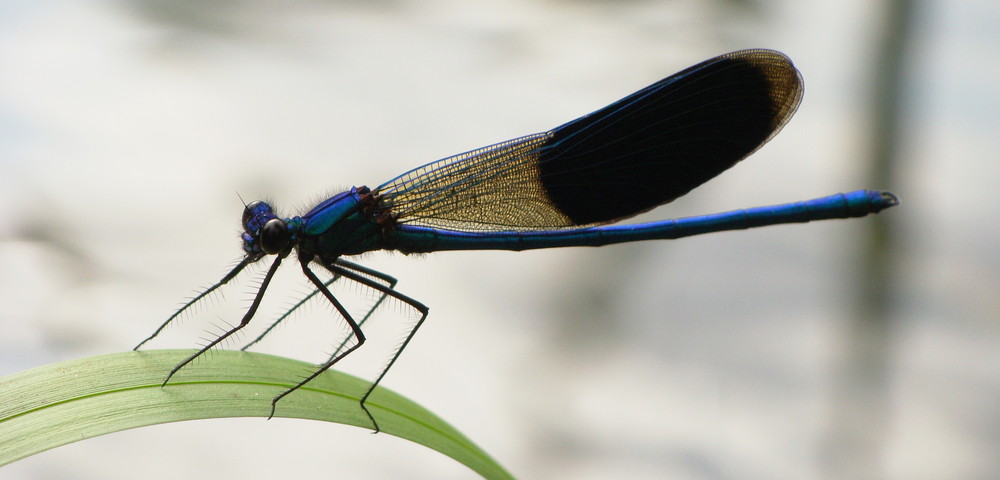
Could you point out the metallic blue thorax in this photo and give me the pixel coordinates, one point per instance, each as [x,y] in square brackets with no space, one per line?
[342,225]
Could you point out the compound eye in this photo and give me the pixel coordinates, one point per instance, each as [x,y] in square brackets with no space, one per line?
[274,236]
[248,211]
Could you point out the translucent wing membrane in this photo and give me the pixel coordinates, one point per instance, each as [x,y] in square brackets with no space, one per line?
[493,188]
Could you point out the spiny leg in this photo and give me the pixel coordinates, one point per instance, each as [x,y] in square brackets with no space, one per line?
[229,276]
[243,322]
[355,328]
[387,290]
[387,279]
[389,282]
[288,313]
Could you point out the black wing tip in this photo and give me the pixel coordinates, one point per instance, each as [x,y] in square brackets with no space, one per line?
[784,82]
[761,57]
[758,52]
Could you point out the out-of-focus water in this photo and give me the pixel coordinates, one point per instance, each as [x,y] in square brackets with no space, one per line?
[127,129]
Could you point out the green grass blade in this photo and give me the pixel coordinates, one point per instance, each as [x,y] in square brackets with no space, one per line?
[53,405]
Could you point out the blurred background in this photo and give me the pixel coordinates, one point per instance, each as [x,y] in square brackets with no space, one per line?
[844,349]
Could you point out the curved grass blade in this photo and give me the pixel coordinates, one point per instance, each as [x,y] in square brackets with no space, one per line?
[57,404]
